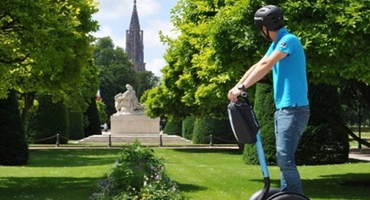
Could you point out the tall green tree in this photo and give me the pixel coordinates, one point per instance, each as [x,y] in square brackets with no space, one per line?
[145,80]
[116,71]
[217,41]
[184,84]
[330,30]
[46,47]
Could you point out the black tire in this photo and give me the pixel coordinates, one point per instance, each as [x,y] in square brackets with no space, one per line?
[287,196]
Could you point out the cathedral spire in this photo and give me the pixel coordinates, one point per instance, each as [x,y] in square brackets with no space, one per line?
[134,24]
[134,41]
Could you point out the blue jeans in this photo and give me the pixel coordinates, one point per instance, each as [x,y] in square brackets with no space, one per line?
[289,125]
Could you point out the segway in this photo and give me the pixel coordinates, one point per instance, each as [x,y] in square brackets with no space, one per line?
[246,131]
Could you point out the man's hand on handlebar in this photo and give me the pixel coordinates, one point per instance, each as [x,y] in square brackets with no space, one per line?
[234,93]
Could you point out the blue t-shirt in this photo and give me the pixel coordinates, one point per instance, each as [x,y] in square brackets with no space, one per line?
[289,73]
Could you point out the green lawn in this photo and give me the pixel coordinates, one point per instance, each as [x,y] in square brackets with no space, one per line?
[202,174]
[56,174]
[221,175]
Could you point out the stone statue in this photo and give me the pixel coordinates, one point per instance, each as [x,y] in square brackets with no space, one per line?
[127,103]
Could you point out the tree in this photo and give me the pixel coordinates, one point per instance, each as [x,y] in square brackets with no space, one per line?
[115,71]
[207,58]
[328,30]
[145,80]
[46,47]
[218,40]
[182,88]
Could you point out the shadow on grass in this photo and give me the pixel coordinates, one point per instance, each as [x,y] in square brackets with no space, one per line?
[343,186]
[47,188]
[210,150]
[71,157]
[184,187]
[350,160]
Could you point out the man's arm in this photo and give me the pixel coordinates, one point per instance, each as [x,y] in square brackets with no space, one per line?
[263,67]
[256,73]
[250,70]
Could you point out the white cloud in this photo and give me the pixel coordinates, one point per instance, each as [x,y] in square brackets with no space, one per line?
[147,8]
[113,9]
[151,33]
[155,66]
[121,9]
[104,31]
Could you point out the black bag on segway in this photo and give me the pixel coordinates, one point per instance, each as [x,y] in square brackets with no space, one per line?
[243,121]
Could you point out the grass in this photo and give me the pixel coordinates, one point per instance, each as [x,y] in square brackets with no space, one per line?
[221,175]
[55,174]
[202,174]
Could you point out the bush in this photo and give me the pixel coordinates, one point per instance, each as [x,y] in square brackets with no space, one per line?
[13,146]
[325,140]
[49,119]
[137,175]
[93,124]
[75,125]
[173,128]
[188,127]
[264,108]
[220,130]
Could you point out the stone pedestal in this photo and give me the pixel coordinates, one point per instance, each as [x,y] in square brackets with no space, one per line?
[134,123]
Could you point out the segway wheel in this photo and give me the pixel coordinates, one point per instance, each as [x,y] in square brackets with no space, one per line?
[287,196]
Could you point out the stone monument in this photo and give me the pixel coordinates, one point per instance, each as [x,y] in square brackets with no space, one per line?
[130,117]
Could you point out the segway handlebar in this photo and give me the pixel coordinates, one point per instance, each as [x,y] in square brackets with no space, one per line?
[243,121]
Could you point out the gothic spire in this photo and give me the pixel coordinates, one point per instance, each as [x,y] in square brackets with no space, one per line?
[134,24]
[134,42]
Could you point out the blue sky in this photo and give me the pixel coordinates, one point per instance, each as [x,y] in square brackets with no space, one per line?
[154,15]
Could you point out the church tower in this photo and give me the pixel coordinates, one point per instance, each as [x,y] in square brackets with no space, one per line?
[134,42]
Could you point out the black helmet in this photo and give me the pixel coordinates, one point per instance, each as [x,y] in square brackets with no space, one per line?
[269,16]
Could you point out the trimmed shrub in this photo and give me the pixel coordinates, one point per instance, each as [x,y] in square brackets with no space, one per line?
[173,128]
[188,127]
[13,146]
[324,141]
[92,120]
[50,119]
[264,108]
[137,174]
[220,130]
[75,125]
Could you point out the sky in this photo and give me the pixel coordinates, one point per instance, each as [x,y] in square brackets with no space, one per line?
[154,15]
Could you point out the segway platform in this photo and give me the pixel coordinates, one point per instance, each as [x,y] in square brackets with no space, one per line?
[246,130]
